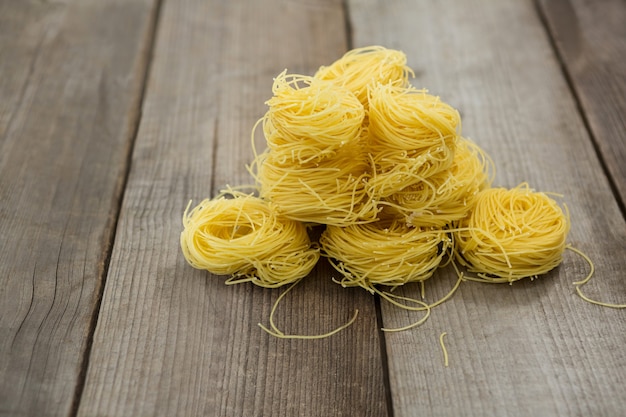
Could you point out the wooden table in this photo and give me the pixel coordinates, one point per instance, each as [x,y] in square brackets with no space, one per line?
[114,114]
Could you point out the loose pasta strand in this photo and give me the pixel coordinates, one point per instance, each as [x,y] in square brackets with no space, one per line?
[443,348]
[392,299]
[422,305]
[579,284]
[276,332]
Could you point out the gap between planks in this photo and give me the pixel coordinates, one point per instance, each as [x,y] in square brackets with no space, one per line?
[571,84]
[146,63]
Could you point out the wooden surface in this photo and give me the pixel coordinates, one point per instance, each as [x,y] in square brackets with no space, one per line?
[174,341]
[70,83]
[531,348]
[113,115]
[591,41]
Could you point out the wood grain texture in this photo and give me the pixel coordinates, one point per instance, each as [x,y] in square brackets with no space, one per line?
[172,340]
[591,41]
[533,348]
[70,86]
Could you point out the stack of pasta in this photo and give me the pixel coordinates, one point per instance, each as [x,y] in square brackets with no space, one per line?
[385,168]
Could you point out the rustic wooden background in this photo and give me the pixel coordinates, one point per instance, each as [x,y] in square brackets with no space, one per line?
[114,114]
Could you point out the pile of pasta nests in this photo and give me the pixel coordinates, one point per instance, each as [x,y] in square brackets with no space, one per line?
[383,167]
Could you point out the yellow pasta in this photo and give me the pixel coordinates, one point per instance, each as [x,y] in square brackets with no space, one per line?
[412,136]
[579,284]
[421,305]
[241,235]
[512,234]
[443,348]
[276,332]
[309,119]
[331,191]
[407,119]
[384,167]
[386,252]
[362,67]
[446,196]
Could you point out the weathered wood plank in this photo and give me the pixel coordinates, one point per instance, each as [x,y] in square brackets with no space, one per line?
[590,38]
[69,93]
[533,348]
[175,341]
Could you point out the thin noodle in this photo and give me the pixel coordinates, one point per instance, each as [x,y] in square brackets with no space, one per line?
[443,348]
[276,332]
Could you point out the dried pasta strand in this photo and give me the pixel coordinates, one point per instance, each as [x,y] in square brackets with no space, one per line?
[582,282]
[423,306]
[443,348]
[276,332]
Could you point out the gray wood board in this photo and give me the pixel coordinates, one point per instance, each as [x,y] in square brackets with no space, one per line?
[591,41]
[172,340]
[533,348]
[69,93]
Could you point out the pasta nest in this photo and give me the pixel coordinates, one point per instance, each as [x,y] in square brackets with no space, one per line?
[386,252]
[331,191]
[412,136]
[310,119]
[241,235]
[360,68]
[449,195]
[512,234]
